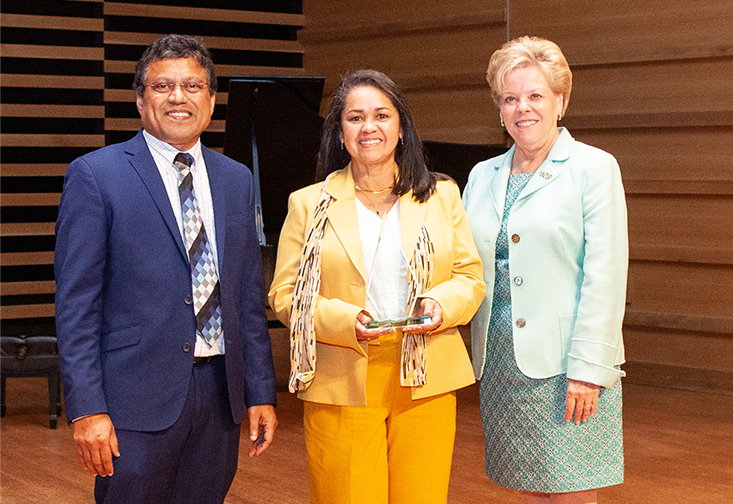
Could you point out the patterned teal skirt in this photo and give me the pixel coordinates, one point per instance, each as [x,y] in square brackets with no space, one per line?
[529,446]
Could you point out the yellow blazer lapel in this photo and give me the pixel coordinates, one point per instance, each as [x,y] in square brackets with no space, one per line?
[412,216]
[342,216]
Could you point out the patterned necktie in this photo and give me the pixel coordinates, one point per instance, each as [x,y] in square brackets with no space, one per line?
[205,281]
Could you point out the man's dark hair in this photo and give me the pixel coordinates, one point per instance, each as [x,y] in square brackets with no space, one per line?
[174,46]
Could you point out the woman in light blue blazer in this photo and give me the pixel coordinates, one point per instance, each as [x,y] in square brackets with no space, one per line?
[549,221]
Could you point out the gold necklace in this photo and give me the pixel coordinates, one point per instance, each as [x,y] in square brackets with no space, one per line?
[381,200]
[373,192]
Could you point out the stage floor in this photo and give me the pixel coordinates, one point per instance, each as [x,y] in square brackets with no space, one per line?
[678,447]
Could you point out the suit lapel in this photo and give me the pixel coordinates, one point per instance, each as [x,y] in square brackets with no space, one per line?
[548,171]
[218,196]
[499,181]
[144,164]
[412,216]
[342,216]
[545,174]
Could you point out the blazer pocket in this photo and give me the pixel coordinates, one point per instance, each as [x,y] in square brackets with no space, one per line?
[567,327]
[120,338]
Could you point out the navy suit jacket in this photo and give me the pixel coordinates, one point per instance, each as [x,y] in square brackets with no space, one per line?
[126,332]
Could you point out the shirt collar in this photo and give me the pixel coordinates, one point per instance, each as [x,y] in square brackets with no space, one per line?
[168,152]
[560,150]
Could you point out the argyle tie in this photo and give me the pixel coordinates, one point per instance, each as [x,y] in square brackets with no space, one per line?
[205,281]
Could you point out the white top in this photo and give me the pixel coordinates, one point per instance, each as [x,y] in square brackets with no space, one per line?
[163,154]
[384,260]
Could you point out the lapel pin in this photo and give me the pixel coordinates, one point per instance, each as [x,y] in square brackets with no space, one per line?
[545,175]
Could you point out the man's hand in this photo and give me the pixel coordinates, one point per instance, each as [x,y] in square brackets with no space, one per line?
[262,424]
[96,443]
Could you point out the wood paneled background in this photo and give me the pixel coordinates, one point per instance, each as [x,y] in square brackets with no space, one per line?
[652,85]
[67,70]
[437,51]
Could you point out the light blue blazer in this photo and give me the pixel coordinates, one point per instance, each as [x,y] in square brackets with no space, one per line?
[568,260]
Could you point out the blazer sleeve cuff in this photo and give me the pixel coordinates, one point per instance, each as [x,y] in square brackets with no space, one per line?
[591,372]
[335,321]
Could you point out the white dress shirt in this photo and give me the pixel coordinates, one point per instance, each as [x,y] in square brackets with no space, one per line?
[384,262]
[163,154]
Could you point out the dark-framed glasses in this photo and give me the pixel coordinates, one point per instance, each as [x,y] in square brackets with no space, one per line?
[168,87]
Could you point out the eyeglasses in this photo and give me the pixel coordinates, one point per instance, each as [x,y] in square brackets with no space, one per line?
[168,87]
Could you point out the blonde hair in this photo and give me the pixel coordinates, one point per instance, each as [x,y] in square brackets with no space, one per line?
[524,52]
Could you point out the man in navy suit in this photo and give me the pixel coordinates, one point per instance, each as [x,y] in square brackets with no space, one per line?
[155,387]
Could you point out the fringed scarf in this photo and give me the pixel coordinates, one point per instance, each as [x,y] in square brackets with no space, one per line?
[305,295]
[413,360]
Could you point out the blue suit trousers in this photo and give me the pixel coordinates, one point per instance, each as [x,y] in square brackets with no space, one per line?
[192,462]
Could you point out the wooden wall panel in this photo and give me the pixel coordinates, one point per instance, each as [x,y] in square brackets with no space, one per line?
[373,17]
[687,86]
[66,90]
[436,51]
[626,31]
[668,159]
[438,118]
[682,289]
[671,347]
[408,54]
[52,111]
[696,225]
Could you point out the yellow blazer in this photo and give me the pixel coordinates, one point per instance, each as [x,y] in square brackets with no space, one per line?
[457,284]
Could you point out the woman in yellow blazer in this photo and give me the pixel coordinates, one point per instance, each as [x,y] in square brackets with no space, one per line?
[381,238]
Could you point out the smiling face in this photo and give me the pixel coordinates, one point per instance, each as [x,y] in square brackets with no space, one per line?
[530,109]
[176,118]
[370,127]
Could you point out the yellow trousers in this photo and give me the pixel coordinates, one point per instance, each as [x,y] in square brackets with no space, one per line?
[394,450]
